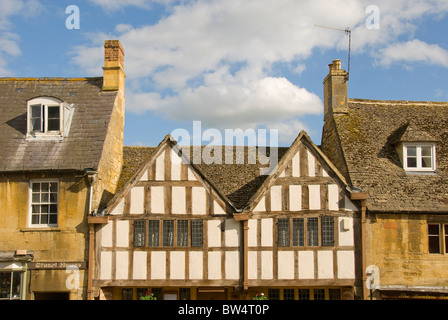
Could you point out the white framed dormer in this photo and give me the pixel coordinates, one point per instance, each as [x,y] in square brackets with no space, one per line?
[419,157]
[48,118]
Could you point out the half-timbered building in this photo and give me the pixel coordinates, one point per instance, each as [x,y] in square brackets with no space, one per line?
[186,230]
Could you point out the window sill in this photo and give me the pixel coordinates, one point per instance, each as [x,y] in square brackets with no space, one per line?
[41,229]
[421,173]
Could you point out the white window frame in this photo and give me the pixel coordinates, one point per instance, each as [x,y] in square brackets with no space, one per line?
[418,147]
[30,207]
[44,103]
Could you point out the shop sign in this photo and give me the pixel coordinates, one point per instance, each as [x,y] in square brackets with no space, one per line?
[57,265]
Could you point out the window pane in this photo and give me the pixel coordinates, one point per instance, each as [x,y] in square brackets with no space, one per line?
[126,294]
[433,238]
[53,218]
[184,293]
[288,294]
[153,236]
[53,118]
[36,117]
[446,237]
[319,294]
[274,294]
[182,233]
[412,162]
[36,187]
[44,218]
[327,231]
[139,233]
[298,232]
[304,294]
[412,151]
[5,285]
[334,294]
[196,233]
[283,232]
[168,233]
[426,151]
[313,232]
[426,162]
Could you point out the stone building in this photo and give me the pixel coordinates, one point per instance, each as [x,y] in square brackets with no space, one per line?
[184,228]
[61,144]
[396,152]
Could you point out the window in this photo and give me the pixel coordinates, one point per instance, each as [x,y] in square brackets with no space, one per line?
[312,232]
[196,233]
[288,294]
[153,235]
[319,294]
[327,229]
[184,293]
[274,294]
[127,294]
[48,117]
[419,157]
[44,203]
[304,294]
[175,233]
[306,228]
[168,233]
[283,232]
[298,232]
[437,238]
[334,294]
[10,285]
[139,233]
[182,233]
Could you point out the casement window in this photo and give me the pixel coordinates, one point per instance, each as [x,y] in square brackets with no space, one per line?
[305,228]
[44,203]
[48,117]
[11,285]
[438,238]
[304,294]
[419,157]
[170,233]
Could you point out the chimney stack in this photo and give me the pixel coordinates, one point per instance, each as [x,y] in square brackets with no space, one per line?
[335,91]
[113,72]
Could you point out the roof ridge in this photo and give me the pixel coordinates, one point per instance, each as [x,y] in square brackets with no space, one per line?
[404,102]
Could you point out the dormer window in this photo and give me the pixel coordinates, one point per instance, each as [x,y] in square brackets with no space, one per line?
[419,157]
[48,117]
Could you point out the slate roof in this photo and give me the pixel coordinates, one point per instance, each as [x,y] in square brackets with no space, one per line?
[82,148]
[368,135]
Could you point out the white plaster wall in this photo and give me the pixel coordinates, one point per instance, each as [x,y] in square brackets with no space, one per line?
[296,165]
[139,265]
[295,197]
[267,265]
[214,265]
[349,206]
[160,167]
[261,206]
[158,265]
[137,200]
[196,265]
[122,235]
[198,200]
[178,200]
[217,209]
[119,208]
[325,264]
[232,265]
[276,198]
[266,232]
[191,175]
[286,265]
[252,265]
[121,265]
[252,233]
[177,265]
[346,264]
[176,162]
[106,234]
[106,265]
[232,232]
[306,264]
[333,197]
[157,200]
[314,197]
[214,233]
[311,164]
[345,236]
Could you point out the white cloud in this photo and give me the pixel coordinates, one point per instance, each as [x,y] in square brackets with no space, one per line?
[414,51]
[113,5]
[211,60]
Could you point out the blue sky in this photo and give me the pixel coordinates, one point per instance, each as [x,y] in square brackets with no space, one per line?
[233,64]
